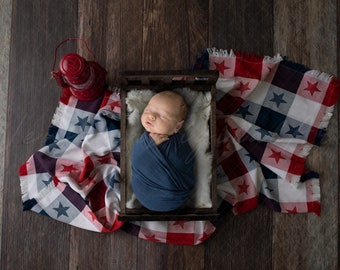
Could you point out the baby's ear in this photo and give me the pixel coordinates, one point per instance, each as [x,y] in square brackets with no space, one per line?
[179,125]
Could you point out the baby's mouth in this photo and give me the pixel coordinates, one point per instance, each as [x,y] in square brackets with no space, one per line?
[148,123]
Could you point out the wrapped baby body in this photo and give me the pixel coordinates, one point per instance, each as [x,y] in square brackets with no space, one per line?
[162,176]
[169,181]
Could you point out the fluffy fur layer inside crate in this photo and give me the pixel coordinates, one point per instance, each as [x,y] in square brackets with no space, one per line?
[196,128]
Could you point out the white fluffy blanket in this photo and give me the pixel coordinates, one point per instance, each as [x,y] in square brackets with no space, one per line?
[196,128]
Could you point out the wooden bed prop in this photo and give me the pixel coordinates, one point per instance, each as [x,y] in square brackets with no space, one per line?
[158,81]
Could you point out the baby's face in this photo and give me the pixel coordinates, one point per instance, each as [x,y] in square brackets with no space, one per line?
[162,116]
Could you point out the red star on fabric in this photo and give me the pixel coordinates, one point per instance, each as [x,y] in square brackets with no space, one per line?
[68,168]
[151,238]
[180,223]
[114,104]
[233,132]
[220,67]
[243,87]
[293,211]
[312,88]
[243,188]
[277,156]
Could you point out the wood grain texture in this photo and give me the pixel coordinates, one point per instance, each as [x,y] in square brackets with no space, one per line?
[242,242]
[243,25]
[247,239]
[37,27]
[5,32]
[89,250]
[150,34]
[308,36]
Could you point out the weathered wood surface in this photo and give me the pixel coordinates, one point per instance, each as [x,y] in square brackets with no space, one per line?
[308,36]
[160,34]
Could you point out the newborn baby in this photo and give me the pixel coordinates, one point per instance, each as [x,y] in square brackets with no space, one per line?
[162,159]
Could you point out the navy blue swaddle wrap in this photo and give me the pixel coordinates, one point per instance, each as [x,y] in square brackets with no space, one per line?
[162,176]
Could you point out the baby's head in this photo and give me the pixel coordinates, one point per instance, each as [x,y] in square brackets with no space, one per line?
[165,113]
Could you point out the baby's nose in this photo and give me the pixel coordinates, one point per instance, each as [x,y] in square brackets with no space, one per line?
[152,116]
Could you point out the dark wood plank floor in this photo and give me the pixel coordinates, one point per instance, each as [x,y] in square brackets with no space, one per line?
[160,34]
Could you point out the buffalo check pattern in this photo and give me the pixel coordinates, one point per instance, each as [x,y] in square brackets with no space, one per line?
[74,178]
[270,113]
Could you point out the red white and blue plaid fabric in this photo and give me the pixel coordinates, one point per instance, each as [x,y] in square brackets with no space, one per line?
[74,178]
[270,113]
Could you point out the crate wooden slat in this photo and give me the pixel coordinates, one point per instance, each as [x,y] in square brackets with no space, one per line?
[158,81]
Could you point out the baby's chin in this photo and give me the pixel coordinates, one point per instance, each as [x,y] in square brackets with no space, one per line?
[150,130]
[147,129]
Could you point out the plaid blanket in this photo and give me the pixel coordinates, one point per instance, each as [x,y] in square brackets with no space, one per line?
[270,113]
[74,178]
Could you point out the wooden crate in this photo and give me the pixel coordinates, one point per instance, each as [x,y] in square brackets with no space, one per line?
[158,81]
